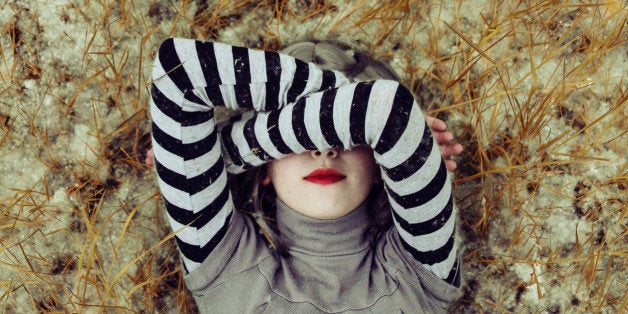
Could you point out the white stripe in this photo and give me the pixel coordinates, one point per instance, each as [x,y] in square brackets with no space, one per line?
[426,211]
[257,63]
[341,79]
[203,235]
[205,197]
[190,106]
[195,133]
[431,241]
[200,165]
[164,122]
[174,196]
[342,112]
[263,137]
[190,265]
[313,123]
[419,179]
[258,96]
[202,94]
[166,86]
[224,59]
[287,132]
[186,51]
[209,230]
[229,96]
[167,159]
[379,105]
[288,68]
[314,80]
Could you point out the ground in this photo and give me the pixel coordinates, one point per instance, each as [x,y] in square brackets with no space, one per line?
[535,90]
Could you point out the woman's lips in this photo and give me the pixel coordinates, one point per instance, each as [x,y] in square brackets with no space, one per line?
[325,176]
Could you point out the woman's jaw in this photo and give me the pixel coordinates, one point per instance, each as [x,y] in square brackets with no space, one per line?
[324,185]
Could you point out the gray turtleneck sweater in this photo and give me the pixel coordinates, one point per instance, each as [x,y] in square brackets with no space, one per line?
[332,268]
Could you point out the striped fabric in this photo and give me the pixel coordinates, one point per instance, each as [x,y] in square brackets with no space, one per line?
[295,107]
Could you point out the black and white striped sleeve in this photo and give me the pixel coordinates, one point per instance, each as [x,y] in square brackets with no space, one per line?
[380,114]
[190,78]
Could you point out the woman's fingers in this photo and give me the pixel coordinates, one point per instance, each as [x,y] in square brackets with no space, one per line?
[450,165]
[150,159]
[444,140]
[450,150]
[443,137]
[435,124]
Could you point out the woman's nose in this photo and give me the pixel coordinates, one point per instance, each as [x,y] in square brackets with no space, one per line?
[328,153]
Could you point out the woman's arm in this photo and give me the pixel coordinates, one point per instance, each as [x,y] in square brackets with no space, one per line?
[190,78]
[382,115]
[445,139]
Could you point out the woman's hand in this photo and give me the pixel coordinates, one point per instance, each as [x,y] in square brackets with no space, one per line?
[445,141]
[438,127]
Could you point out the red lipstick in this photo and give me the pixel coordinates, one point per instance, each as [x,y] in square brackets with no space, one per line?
[325,176]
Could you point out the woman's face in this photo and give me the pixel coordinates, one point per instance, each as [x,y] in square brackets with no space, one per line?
[324,184]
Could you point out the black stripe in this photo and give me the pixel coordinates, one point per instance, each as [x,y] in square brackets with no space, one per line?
[190,96]
[424,195]
[187,151]
[170,177]
[299,81]
[190,185]
[200,219]
[249,133]
[241,65]
[273,76]
[415,161]
[397,120]
[273,66]
[298,125]
[229,145]
[207,58]
[272,96]
[251,139]
[166,141]
[327,118]
[205,179]
[215,95]
[165,105]
[273,132]
[428,226]
[454,278]
[196,117]
[198,254]
[357,116]
[243,96]
[329,80]
[172,65]
[199,148]
[430,257]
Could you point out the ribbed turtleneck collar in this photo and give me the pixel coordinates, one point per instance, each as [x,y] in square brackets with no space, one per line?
[323,237]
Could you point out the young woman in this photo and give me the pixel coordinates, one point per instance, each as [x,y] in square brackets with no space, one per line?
[337,161]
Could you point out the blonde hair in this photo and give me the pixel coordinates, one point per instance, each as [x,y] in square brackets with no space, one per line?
[259,200]
[334,55]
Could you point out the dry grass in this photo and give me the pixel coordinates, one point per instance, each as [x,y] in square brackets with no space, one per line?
[535,90]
